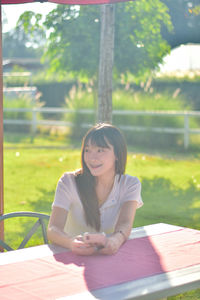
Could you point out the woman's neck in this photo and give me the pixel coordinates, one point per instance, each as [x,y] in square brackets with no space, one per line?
[103,188]
[106,181]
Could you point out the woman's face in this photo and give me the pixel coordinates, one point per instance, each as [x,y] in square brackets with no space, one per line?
[100,160]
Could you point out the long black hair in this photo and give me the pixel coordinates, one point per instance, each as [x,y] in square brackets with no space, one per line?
[99,135]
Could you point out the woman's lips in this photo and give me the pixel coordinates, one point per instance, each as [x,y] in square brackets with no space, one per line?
[95,166]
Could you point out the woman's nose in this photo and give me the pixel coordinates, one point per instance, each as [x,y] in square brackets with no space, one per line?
[93,156]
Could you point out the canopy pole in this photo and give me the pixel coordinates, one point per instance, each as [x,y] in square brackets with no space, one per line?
[1,133]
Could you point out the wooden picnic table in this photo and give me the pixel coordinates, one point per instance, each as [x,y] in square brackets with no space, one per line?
[157,261]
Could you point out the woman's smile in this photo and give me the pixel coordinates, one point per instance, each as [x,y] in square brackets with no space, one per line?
[94,167]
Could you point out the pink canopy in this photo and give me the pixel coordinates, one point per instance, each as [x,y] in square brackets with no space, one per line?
[69,2]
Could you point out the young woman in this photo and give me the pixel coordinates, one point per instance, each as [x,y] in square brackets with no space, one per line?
[94,207]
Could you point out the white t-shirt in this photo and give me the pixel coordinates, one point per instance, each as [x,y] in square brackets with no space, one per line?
[128,188]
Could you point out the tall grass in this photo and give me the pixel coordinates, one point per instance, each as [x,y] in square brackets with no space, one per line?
[130,99]
[138,100]
[126,99]
[21,102]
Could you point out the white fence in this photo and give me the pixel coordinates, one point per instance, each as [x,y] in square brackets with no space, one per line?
[15,92]
[34,122]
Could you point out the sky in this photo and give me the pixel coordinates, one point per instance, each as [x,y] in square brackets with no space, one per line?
[15,10]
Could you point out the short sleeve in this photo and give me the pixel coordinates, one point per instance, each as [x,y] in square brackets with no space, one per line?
[132,190]
[64,191]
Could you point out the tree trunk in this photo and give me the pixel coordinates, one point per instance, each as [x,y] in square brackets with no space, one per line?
[106,64]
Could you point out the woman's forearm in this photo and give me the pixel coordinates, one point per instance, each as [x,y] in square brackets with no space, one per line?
[57,236]
[123,230]
[125,221]
[120,234]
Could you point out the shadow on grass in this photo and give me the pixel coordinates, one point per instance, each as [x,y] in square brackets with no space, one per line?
[165,203]
[43,204]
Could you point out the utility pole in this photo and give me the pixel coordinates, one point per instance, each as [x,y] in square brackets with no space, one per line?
[106,63]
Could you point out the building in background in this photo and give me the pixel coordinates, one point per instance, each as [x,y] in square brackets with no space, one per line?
[183,60]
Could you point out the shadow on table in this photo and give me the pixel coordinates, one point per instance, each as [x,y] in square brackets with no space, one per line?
[136,259]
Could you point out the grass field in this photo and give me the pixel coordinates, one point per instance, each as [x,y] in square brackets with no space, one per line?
[170,183]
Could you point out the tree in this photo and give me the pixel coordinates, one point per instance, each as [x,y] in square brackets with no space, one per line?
[74,38]
[29,26]
[185,16]
[27,39]
[73,44]
[139,46]
[13,47]
[106,63]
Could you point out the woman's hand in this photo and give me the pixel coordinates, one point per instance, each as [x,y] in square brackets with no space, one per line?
[111,247]
[78,246]
[104,245]
[98,240]
[96,243]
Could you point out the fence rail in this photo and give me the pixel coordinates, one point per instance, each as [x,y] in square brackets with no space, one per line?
[34,121]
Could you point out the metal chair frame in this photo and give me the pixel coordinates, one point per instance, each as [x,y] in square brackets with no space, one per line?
[39,222]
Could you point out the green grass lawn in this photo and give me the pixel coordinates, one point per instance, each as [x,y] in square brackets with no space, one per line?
[170,184]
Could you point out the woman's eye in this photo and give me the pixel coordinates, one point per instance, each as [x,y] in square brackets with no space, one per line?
[100,150]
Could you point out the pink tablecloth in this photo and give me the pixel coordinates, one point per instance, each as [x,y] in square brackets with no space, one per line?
[66,274]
